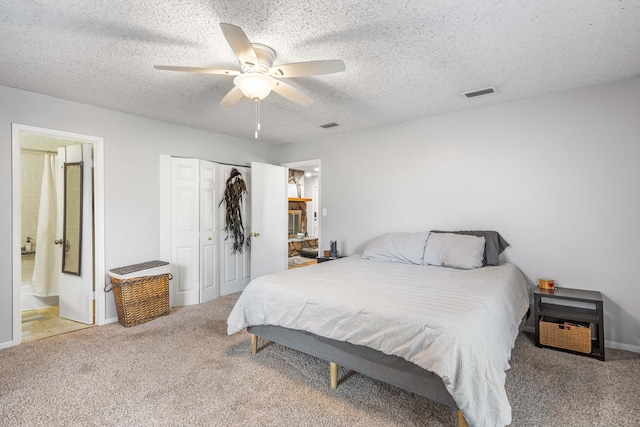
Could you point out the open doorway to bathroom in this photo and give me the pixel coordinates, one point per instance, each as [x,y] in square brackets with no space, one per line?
[40,184]
[303,213]
[58,239]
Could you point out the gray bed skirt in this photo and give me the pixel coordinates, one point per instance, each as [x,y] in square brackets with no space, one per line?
[367,361]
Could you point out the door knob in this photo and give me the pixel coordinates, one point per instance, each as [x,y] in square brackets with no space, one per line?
[210,238]
[256,234]
[58,242]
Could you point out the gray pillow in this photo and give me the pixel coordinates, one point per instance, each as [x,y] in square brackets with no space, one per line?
[454,250]
[494,244]
[397,247]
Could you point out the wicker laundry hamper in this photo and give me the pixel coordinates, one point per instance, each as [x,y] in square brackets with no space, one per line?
[141,291]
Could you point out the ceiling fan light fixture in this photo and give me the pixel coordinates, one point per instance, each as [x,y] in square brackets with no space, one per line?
[255,85]
[257,77]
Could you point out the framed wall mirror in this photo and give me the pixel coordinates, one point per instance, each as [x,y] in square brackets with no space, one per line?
[72,221]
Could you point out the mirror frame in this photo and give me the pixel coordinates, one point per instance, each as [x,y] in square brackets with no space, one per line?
[65,248]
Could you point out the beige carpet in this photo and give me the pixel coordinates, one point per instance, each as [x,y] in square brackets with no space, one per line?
[182,369]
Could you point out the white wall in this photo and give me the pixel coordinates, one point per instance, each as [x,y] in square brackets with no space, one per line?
[309,183]
[557,175]
[132,148]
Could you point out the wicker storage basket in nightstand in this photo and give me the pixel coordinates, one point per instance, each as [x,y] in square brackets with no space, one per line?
[141,291]
[568,337]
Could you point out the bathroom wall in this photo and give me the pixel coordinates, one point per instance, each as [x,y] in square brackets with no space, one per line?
[31,164]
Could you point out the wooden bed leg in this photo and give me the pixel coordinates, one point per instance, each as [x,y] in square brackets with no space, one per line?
[333,368]
[461,421]
[254,344]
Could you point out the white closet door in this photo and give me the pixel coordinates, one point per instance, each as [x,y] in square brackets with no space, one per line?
[185,231]
[209,235]
[235,268]
[269,219]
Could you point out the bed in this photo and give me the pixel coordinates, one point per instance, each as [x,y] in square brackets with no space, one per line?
[441,332]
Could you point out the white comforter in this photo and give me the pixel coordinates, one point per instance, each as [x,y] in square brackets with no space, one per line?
[459,324]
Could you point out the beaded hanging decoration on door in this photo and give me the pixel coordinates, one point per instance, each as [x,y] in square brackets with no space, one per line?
[235,188]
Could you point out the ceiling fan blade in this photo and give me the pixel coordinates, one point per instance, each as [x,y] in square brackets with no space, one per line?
[240,44]
[200,70]
[292,94]
[233,96]
[311,68]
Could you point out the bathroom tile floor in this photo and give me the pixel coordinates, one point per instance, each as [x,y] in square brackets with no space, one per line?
[46,322]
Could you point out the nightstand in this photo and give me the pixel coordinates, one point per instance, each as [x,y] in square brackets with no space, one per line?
[578,307]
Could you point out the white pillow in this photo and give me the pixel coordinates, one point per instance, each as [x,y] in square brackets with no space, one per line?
[397,247]
[454,250]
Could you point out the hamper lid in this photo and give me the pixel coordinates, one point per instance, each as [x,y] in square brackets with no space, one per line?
[149,268]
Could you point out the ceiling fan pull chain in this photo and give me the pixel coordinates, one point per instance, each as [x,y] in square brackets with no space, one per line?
[257,117]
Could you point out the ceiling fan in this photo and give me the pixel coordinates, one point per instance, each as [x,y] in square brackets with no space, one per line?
[257,76]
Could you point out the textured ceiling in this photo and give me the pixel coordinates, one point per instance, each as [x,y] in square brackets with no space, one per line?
[405,59]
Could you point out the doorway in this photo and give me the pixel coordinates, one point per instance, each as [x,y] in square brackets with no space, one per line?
[36,308]
[304,213]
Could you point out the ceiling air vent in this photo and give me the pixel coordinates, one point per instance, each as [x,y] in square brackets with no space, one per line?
[329,125]
[479,92]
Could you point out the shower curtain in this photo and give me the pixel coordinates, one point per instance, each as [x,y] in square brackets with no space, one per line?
[44,282]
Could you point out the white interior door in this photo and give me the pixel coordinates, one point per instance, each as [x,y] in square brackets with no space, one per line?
[235,268]
[185,231]
[76,290]
[209,234]
[268,219]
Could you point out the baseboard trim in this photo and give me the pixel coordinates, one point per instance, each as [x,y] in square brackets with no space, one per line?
[622,346]
[608,344]
[111,320]
[8,344]
[528,329]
